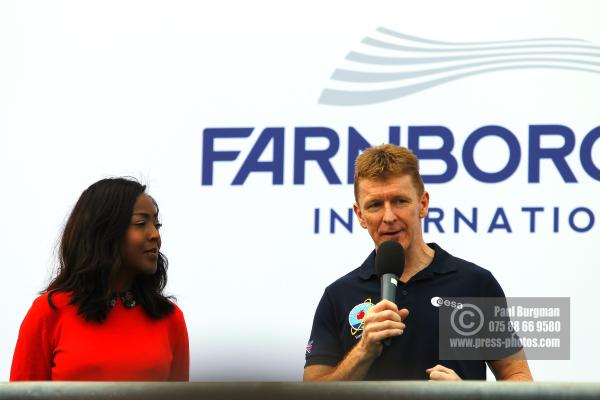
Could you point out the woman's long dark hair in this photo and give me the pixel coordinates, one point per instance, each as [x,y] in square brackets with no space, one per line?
[91,249]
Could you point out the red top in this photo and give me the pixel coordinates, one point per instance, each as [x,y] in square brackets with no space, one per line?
[128,346]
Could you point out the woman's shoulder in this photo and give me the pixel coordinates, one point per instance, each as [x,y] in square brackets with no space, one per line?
[176,322]
[46,310]
[176,315]
[51,301]
[176,310]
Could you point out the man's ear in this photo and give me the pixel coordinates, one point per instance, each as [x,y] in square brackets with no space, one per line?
[424,205]
[359,215]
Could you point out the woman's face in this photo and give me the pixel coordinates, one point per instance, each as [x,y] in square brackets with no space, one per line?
[142,240]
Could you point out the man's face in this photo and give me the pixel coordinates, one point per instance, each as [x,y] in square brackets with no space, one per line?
[391,209]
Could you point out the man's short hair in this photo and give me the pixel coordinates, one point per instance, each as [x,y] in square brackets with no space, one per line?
[386,161]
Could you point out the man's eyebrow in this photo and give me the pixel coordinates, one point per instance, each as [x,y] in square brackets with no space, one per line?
[372,201]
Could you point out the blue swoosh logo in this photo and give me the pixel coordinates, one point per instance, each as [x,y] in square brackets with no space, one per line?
[394,65]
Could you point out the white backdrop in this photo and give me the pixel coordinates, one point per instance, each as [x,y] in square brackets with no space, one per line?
[94,89]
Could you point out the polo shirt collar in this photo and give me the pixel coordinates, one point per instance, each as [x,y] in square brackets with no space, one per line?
[438,265]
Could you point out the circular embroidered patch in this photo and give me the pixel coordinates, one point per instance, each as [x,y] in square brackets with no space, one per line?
[357,315]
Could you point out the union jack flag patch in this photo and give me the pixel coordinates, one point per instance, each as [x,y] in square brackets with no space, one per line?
[309,346]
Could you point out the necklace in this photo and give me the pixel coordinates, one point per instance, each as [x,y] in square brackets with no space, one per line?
[126,298]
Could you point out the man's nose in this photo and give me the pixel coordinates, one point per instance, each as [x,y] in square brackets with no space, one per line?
[388,214]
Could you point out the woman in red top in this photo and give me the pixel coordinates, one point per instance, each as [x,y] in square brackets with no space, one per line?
[104,317]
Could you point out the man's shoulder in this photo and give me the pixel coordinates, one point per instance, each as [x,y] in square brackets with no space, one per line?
[480,280]
[354,277]
[459,264]
[471,268]
[343,281]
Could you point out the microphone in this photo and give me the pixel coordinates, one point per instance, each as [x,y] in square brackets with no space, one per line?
[389,265]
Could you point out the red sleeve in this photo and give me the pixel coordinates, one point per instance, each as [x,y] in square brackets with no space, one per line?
[32,360]
[180,365]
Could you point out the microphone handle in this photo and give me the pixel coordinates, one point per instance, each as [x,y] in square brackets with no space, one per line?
[389,283]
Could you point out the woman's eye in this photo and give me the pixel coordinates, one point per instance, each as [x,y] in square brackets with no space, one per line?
[158,225]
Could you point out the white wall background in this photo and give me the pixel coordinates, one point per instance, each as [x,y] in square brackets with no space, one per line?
[94,89]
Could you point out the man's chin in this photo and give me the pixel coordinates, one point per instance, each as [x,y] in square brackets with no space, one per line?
[395,237]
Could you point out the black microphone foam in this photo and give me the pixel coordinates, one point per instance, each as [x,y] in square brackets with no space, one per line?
[389,265]
[389,259]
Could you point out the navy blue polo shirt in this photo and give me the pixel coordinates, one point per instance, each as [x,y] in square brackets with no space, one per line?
[335,331]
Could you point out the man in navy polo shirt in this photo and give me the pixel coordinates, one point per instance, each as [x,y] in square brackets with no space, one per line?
[349,326]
